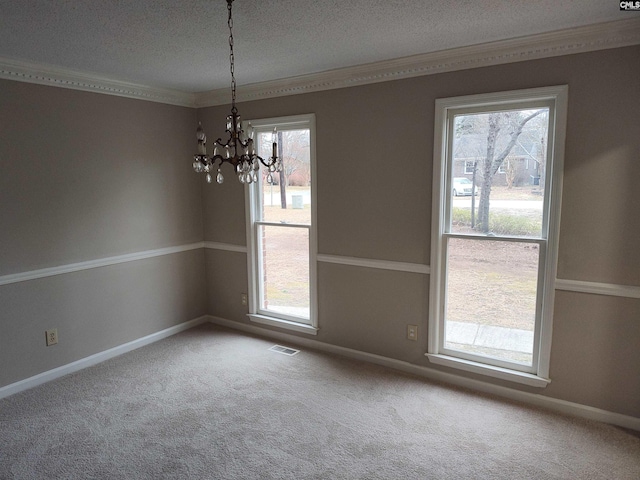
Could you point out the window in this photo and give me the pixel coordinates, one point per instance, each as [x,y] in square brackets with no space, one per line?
[468,167]
[281,227]
[493,258]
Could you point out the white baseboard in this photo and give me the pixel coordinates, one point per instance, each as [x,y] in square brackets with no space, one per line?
[562,406]
[72,367]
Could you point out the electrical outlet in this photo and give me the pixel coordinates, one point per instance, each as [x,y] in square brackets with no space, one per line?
[244,299]
[52,337]
[412,332]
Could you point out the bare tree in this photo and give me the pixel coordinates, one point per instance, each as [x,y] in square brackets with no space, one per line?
[511,172]
[296,157]
[293,150]
[493,160]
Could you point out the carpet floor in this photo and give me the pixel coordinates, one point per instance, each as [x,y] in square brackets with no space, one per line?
[214,403]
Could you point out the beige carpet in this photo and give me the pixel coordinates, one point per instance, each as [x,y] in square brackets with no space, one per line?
[213,403]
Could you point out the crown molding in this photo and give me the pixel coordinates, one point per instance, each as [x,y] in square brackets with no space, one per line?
[601,36]
[61,77]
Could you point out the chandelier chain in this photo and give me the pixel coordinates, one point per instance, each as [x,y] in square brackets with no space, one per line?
[231,58]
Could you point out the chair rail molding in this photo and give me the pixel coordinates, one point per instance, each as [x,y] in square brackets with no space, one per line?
[96,263]
[597,288]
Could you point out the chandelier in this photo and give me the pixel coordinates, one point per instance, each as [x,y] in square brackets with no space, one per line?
[237,151]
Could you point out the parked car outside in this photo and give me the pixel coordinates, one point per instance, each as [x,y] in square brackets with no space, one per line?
[462,186]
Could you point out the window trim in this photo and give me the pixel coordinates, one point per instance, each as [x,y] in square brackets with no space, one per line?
[252,225]
[558,96]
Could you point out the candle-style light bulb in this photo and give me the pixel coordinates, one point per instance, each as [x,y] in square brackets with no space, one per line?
[202,140]
[274,139]
[200,135]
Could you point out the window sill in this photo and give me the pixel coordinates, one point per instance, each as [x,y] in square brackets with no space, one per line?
[286,324]
[489,370]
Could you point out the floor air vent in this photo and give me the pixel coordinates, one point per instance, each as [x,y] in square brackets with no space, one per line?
[284,350]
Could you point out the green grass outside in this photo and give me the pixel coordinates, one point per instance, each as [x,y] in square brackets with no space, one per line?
[500,223]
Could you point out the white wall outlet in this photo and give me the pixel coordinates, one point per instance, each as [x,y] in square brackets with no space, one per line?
[52,337]
[244,299]
[412,332]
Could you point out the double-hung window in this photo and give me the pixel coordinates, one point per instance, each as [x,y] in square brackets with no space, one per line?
[494,254]
[281,226]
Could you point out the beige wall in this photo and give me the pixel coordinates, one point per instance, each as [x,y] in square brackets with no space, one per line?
[85,176]
[374,163]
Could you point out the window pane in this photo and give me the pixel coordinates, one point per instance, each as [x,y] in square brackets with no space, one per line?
[285,270]
[287,197]
[501,158]
[491,298]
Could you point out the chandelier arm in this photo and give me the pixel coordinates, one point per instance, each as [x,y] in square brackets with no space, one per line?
[267,163]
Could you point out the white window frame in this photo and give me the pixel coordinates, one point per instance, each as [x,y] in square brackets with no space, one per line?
[253,195]
[556,97]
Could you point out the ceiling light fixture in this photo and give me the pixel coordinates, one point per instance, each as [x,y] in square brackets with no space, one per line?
[238,152]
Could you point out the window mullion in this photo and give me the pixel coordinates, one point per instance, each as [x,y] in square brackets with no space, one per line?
[276,224]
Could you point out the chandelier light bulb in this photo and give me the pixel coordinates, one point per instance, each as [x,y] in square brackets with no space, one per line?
[274,140]
[200,135]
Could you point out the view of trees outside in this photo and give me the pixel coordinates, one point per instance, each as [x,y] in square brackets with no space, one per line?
[286,200]
[505,148]
[491,291]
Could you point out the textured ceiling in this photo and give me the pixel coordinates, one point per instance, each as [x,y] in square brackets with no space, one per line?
[183,44]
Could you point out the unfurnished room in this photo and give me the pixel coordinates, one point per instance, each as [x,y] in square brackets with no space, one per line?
[304,239]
